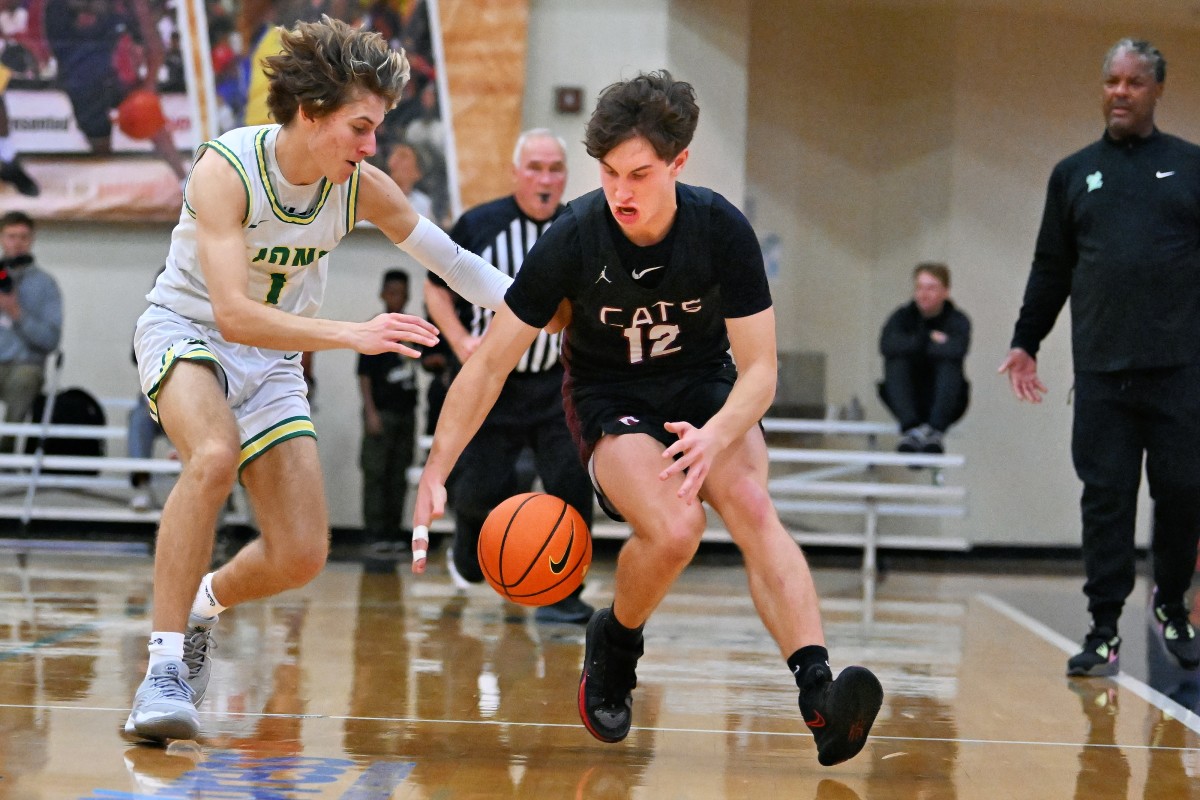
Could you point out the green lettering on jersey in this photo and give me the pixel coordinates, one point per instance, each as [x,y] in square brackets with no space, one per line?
[303,256]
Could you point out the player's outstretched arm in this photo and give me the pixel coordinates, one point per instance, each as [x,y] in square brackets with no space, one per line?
[469,400]
[216,195]
[752,340]
[381,201]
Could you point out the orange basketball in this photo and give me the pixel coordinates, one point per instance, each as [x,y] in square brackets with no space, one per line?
[534,549]
[140,115]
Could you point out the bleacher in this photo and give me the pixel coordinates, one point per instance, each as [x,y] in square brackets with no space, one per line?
[853,479]
[38,486]
[834,483]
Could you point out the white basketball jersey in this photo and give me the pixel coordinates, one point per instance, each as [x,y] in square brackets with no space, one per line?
[289,231]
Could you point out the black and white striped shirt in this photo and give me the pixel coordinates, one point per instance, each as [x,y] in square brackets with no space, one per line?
[500,233]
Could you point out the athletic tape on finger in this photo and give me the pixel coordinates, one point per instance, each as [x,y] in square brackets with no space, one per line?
[420,533]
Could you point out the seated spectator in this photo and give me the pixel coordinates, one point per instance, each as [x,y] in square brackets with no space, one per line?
[924,344]
[31,318]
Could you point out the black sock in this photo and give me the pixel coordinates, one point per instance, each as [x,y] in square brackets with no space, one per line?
[618,634]
[810,664]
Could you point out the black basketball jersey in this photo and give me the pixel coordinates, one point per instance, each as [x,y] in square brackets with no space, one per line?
[636,321]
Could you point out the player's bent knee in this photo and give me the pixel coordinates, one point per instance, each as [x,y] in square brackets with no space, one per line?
[304,562]
[213,464]
[680,539]
[747,501]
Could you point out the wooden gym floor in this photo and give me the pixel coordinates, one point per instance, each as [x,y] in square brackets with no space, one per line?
[369,686]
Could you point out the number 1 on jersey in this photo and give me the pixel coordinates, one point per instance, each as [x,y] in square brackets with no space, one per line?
[278,279]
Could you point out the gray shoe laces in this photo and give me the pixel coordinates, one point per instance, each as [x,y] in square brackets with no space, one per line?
[196,649]
[172,687]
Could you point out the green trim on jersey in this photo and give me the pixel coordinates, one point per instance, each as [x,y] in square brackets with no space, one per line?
[229,156]
[281,213]
[289,428]
[352,199]
[192,350]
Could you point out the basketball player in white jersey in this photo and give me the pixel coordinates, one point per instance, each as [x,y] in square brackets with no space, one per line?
[219,348]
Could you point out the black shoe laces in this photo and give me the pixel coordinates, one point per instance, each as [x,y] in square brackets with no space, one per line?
[617,672]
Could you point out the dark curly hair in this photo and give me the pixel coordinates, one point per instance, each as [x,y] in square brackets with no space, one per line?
[653,105]
[325,65]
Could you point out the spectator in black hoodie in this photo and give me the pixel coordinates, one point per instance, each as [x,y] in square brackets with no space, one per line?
[924,344]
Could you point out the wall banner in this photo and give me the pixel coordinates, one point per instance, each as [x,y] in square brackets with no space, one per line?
[105,101]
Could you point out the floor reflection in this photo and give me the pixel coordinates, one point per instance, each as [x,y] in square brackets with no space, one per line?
[1103,767]
[1163,671]
[374,686]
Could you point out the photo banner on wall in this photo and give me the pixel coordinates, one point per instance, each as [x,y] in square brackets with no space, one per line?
[107,100]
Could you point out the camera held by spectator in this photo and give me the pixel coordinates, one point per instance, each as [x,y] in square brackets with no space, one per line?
[6,279]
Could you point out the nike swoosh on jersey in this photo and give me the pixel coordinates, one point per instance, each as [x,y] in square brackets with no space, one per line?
[558,566]
[1164,174]
[292,357]
[637,276]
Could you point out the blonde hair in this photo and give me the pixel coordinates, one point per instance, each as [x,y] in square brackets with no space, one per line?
[325,65]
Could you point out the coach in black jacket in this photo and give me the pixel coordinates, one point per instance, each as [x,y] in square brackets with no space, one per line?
[1121,238]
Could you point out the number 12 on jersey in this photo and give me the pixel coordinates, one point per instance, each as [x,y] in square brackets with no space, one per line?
[659,337]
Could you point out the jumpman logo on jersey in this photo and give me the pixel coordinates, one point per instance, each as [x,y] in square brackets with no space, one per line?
[603,275]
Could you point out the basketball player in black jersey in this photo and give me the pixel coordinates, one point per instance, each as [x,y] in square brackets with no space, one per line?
[664,280]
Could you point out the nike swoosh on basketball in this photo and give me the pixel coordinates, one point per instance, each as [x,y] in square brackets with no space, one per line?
[557,566]
[1164,174]
[637,276]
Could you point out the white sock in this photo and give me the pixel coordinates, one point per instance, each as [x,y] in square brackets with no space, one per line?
[7,151]
[164,646]
[206,604]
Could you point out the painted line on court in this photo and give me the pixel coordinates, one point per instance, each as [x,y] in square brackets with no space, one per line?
[650,729]
[1151,695]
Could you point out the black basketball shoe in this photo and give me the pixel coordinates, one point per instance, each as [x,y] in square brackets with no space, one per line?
[607,682]
[1099,657]
[840,712]
[1177,632]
